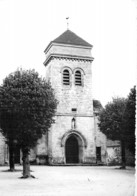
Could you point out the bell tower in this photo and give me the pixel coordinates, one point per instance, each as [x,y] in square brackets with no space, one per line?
[71,139]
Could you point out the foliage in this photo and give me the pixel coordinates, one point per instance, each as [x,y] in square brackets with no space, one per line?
[111,119]
[117,122]
[129,120]
[27,107]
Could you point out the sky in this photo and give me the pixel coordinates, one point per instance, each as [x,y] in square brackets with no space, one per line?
[27,27]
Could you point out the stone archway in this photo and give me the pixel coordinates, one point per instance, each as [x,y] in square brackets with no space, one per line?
[72,150]
[77,140]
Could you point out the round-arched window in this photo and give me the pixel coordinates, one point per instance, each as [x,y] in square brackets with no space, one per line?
[78,78]
[66,77]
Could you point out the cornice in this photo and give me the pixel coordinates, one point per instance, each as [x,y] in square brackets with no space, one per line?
[67,57]
[73,115]
[65,45]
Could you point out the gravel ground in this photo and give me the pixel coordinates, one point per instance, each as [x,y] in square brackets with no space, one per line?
[68,181]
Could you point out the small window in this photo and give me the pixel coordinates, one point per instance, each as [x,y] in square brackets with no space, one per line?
[74,109]
[78,79]
[66,77]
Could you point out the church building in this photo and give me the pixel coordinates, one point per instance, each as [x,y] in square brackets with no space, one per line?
[74,138]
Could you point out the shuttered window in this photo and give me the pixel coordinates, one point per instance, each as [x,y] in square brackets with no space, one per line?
[66,77]
[78,79]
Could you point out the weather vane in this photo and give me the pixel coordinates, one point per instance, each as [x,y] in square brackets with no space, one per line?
[67,22]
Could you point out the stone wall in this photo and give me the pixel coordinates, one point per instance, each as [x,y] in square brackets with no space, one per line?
[41,150]
[72,96]
[100,140]
[2,150]
[110,150]
[113,156]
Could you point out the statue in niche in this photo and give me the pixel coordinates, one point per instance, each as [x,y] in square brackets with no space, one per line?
[73,123]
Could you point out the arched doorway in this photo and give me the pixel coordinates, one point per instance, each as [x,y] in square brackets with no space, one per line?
[72,150]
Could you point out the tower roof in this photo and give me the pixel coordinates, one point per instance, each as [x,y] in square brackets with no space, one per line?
[68,37]
[65,45]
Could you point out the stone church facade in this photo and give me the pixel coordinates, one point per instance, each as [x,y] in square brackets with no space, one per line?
[74,138]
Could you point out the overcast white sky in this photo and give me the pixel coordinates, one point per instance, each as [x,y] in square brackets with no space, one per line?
[27,26]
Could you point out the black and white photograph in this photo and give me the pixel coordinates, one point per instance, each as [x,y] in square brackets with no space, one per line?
[68,75]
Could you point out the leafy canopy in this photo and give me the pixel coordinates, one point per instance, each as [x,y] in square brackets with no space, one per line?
[117,119]
[27,107]
[129,120]
[111,119]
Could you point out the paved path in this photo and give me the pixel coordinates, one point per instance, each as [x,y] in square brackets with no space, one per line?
[69,181]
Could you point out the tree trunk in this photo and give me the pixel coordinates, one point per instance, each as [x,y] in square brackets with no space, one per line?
[11,157]
[123,155]
[26,164]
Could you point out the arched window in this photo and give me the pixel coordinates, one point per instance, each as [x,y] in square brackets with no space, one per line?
[78,78]
[66,77]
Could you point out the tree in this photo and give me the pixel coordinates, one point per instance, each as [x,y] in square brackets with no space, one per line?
[27,108]
[129,120]
[111,122]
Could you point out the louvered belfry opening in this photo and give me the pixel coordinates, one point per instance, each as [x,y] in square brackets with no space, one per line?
[78,79]
[66,77]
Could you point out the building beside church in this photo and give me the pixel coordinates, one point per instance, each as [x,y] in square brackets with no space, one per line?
[74,138]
